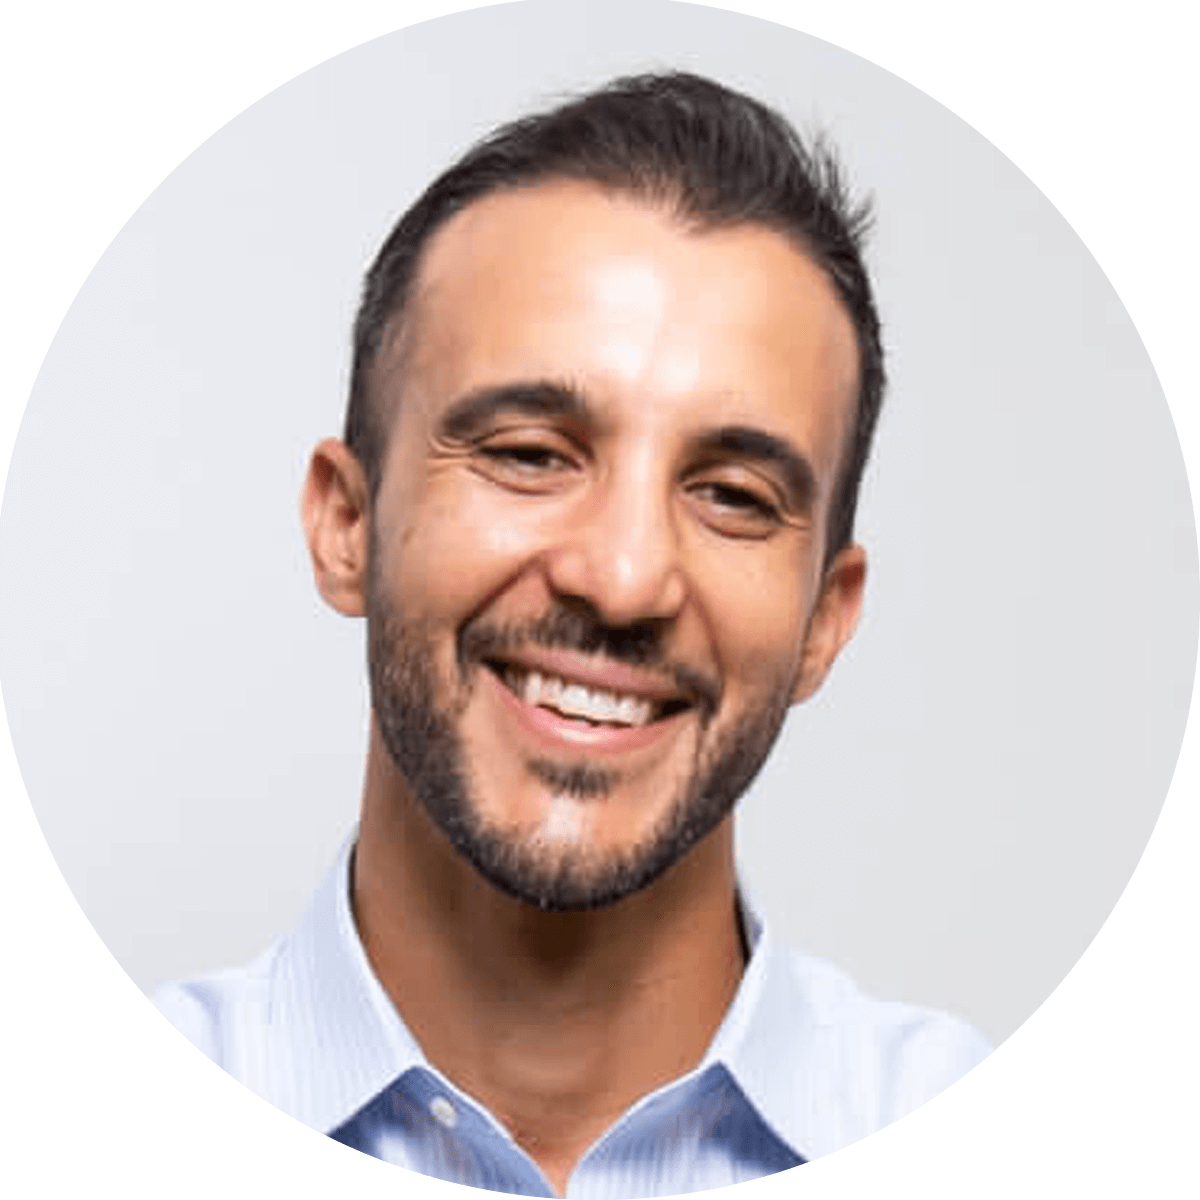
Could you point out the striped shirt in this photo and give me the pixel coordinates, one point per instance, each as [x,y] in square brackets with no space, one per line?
[802,1065]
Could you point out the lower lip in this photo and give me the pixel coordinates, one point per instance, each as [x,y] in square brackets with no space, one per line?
[561,733]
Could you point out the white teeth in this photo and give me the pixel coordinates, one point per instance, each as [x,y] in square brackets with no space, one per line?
[575,700]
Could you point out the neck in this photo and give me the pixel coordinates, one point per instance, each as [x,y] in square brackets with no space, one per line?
[557,1022]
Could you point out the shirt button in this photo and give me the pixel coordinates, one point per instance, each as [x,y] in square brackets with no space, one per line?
[444,1111]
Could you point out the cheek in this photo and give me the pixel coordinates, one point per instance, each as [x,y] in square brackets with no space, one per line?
[458,548]
[758,610]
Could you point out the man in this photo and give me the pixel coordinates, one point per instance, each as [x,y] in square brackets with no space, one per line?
[615,379]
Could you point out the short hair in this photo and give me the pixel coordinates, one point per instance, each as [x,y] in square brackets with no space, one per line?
[712,158]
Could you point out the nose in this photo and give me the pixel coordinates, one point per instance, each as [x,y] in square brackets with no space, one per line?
[619,550]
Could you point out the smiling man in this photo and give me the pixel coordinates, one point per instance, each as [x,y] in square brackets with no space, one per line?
[615,379]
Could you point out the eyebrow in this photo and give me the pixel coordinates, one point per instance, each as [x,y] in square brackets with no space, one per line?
[476,411]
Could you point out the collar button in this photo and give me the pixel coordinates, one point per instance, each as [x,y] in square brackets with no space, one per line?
[444,1111]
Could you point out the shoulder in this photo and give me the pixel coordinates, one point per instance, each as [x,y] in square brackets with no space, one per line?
[901,1032]
[214,1012]
[883,1058]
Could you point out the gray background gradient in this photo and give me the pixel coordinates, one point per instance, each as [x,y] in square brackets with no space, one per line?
[951,819]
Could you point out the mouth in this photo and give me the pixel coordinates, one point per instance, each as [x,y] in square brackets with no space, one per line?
[592,706]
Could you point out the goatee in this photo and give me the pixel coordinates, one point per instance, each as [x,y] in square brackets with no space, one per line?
[419,727]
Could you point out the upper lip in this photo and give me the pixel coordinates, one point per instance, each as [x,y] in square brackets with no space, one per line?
[595,671]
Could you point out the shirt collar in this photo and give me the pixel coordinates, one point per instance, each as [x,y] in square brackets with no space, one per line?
[335,1040]
[765,1041]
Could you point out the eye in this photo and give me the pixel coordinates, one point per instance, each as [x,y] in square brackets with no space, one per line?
[737,498]
[527,463]
[526,457]
[736,511]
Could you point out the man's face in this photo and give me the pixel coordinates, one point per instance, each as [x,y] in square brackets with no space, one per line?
[596,576]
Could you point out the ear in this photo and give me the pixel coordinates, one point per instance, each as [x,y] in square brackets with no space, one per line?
[335,509]
[833,620]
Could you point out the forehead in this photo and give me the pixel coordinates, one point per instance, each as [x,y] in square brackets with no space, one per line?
[565,282]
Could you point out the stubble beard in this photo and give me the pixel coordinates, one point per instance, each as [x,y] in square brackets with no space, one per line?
[419,729]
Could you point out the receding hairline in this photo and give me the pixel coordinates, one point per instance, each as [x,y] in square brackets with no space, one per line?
[401,328]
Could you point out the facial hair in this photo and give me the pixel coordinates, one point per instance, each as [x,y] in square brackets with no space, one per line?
[419,728]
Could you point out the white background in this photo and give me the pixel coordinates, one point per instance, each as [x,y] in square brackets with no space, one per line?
[950,820]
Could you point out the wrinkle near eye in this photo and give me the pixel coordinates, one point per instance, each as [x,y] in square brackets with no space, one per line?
[441,448]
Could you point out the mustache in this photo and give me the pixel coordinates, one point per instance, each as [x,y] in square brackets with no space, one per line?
[578,628]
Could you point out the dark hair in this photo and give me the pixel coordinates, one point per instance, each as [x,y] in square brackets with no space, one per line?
[711,156]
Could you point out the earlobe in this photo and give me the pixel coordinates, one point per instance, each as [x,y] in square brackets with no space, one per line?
[834,619]
[335,509]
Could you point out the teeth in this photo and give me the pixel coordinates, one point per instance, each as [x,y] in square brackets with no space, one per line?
[575,700]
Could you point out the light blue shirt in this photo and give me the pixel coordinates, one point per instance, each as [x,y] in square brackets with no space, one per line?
[802,1065]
